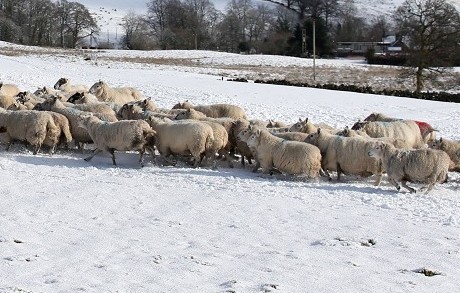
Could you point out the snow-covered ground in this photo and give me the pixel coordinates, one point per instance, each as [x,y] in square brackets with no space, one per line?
[72,226]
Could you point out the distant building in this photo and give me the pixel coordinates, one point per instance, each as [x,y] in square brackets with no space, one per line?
[389,44]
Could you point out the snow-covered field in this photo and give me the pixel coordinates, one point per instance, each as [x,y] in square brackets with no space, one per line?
[67,225]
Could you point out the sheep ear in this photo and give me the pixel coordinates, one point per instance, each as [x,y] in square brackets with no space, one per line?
[306,120]
[258,132]
[189,110]
[440,140]
[319,130]
[300,119]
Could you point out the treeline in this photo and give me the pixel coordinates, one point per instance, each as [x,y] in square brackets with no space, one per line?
[45,23]
[251,26]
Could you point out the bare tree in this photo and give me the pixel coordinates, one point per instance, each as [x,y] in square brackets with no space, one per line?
[136,32]
[432,28]
[309,8]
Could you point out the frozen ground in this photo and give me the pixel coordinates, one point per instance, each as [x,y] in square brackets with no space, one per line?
[72,226]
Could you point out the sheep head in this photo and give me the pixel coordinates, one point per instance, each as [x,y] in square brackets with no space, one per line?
[60,82]
[75,97]
[359,125]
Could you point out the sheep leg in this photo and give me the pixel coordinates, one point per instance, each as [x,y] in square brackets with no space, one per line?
[151,151]
[36,149]
[378,179]
[428,188]
[112,152]
[95,152]
[168,162]
[339,171]
[242,161]
[197,161]
[392,181]
[256,167]
[8,145]
[404,184]
[325,173]
[141,158]
[53,149]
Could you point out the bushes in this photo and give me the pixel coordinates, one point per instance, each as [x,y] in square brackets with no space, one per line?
[387,59]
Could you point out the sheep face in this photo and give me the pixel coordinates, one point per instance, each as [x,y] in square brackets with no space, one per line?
[436,144]
[253,139]
[377,150]
[345,132]
[183,115]
[97,88]
[60,82]
[297,127]
[313,138]
[244,134]
[40,92]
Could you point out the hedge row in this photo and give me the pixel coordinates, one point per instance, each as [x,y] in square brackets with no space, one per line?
[434,96]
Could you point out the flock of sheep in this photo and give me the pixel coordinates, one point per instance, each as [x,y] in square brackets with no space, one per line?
[121,119]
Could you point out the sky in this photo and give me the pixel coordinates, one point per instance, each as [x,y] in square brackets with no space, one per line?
[136,5]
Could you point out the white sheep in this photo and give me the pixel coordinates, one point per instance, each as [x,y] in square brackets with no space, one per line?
[30,126]
[347,155]
[28,99]
[82,98]
[426,166]
[426,130]
[182,138]
[101,110]
[375,116]
[6,101]
[407,130]
[297,136]
[275,124]
[63,84]
[16,106]
[147,105]
[452,148]
[215,110]
[7,89]
[47,92]
[126,135]
[131,111]
[220,143]
[226,122]
[306,126]
[79,134]
[64,134]
[288,157]
[120,95]
[397,142]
